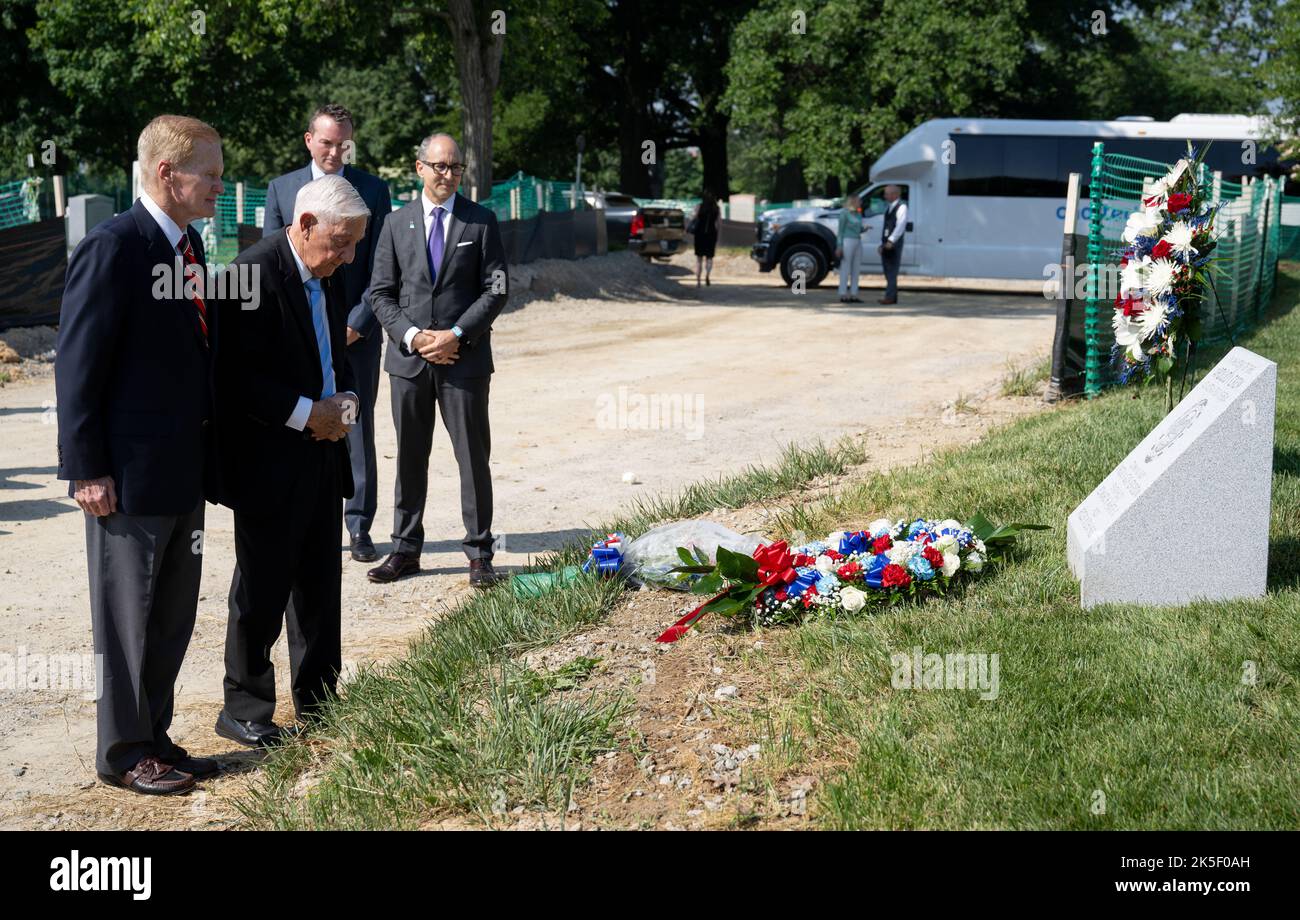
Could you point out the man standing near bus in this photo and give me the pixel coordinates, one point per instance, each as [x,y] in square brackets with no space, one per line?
[891,241]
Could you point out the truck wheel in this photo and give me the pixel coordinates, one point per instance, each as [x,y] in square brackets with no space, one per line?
[807,259]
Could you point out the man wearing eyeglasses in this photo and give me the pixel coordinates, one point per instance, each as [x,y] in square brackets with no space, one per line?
[329,141]
[438,283]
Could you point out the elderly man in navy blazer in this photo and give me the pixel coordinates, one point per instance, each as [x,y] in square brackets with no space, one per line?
[290,399]
[329,141]
[135,401]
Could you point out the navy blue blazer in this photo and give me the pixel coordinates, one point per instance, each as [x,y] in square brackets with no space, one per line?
[132,374]
[280,197]
[269,358]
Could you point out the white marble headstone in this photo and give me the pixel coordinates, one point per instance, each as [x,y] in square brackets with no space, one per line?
[1185,517]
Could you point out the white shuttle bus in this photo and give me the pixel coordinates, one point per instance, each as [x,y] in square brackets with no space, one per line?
[986,197]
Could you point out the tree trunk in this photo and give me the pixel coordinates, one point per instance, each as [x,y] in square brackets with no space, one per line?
[633,175]
[478,65]
[790,183]
[713,151]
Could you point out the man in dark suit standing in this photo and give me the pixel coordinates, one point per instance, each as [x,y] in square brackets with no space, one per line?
[438,283]
[329,141]
[135,401]
[288,399]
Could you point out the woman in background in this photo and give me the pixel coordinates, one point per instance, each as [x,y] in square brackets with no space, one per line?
[704,227]
[848,248]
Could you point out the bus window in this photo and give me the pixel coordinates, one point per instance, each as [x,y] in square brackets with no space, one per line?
[875,203]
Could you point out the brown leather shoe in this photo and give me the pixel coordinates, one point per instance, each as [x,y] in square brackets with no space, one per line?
[887,300]
[397,565]
[197,767]
[150,776]
[482,575]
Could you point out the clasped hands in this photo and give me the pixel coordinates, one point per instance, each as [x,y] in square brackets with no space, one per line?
[332,417]
[437,346]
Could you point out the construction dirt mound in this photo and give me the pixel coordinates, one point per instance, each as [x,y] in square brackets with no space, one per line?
[615,276]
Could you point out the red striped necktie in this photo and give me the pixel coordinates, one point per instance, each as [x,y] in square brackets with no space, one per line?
[192,270]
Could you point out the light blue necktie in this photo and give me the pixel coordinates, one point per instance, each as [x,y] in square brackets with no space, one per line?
[322,336]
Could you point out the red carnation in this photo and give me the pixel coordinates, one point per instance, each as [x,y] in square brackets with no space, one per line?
[933,556]
[808,599]
[881,544]
[1161,250]
[895,576]
[1179,202]
[849,570]
[834,554]
[1132,306]
[782,595]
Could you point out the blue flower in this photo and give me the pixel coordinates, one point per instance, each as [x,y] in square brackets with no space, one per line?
[921,567]
[827,583]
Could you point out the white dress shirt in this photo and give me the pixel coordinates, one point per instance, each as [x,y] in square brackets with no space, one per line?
[429,205]
[171,230]
[317,172]
[301,412]
[900,222]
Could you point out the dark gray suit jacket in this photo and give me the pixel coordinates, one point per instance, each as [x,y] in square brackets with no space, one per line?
[280,197]
[470,291]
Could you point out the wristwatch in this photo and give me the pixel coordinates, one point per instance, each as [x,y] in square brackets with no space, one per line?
[457,331]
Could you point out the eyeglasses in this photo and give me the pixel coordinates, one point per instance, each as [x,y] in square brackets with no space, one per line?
[456,169]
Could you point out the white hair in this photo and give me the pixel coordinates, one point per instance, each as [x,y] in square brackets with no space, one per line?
[330,199]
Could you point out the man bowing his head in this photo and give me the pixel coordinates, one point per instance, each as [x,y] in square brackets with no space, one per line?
[288,401]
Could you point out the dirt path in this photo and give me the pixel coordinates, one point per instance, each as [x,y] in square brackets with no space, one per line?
[737,370]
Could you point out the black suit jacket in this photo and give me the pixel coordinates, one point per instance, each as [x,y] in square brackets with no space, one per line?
[470,291]
[267,361]
[132,376]
[280,197]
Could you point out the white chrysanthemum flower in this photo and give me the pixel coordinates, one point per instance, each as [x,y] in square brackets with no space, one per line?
[1142,222]
[1128,335]
[1160,276]
[1132,277]
[1180,238]
[975,561]
[1149,320]
[835,539]
[951,563]
[946,543]
[825,564]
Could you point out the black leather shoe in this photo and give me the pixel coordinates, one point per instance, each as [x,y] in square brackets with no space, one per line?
[482,575]
[197,767]
[363,548]
[249,734]
[397,565]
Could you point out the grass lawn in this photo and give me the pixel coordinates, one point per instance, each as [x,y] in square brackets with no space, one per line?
[1119,717]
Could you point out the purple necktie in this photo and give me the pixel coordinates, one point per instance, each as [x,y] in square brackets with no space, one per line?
[435,244]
